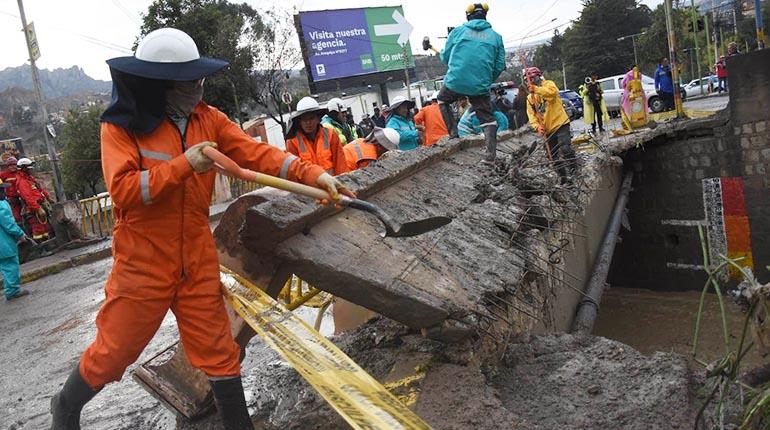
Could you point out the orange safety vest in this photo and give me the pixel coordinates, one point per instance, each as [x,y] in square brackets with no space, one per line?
[430,117]
[359,153]
[325,151]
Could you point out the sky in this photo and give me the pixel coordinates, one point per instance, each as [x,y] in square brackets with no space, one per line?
[85,33]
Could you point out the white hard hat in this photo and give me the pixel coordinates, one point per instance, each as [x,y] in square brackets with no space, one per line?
[167,54]
[167,45]
[304,105]
[307,104]
[387,137]
[336,105]
[24,162]
[398,101]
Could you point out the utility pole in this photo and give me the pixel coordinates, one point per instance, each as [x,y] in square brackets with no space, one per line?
[760,24]
[708,39]
[58,189]
[716,36]
[633,42]
[695,38]
[674,61]
[564,74]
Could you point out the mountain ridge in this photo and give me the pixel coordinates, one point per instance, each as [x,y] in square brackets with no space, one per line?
[56,83]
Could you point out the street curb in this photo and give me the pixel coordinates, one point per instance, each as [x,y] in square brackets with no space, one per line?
[60,266]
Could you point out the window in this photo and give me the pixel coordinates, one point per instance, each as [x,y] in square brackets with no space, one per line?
[607,85]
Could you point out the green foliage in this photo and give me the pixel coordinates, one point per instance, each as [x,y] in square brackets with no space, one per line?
[590,44]
[220,29]
[653,45]
[81,161]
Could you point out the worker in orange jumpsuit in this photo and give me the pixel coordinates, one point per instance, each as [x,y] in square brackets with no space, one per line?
[430,117]
[311,142]
[8,176]
[161,184]
[363,151]
[33,196]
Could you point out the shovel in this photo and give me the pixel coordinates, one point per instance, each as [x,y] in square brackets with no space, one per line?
[392,228]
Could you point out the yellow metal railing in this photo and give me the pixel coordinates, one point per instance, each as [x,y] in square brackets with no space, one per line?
[97,215]
[98,218]
[239,187]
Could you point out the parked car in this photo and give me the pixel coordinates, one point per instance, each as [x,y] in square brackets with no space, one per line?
[613,93]
[570,109]
[575,99]
[694,87]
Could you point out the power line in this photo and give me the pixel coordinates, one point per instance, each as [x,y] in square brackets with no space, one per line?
[90,39]
[126,12]
[533,22]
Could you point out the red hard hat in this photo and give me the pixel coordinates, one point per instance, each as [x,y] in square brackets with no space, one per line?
[11,161]
[531,72]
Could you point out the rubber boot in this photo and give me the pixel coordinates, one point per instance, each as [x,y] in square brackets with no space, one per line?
[66,406]
[490,138]
[231,403]
[449,118]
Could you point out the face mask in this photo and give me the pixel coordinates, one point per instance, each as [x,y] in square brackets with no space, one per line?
[182,97]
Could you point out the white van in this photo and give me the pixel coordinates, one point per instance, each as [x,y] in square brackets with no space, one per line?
[613,93]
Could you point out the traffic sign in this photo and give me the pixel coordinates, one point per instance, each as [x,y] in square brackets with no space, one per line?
[286,98]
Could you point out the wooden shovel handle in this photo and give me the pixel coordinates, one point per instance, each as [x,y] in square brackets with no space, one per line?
[233,169]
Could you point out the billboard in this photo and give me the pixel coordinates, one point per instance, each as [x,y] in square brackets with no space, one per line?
[371,43]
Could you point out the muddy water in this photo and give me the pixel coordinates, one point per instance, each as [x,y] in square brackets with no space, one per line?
[653,321]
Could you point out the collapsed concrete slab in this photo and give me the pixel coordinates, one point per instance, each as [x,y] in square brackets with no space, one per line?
[464,272]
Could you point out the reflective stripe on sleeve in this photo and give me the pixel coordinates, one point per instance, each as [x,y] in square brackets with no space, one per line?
[285,166]
[154,155]
[359,154]
[144,185]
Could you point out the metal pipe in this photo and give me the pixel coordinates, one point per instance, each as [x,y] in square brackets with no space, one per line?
[589,307]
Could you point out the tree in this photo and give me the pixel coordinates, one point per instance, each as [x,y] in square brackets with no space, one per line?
[81,159]
[271,78]
[653,45]
[548,57]
[220,29]
[591,44]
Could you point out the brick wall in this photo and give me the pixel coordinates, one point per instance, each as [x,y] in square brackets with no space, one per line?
[662,250]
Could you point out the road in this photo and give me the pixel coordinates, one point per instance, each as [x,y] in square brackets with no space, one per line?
[45,333]
[711,103]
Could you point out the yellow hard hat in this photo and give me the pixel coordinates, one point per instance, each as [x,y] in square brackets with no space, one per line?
[473,6]
[476,11]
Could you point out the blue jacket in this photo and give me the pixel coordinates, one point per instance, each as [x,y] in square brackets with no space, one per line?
[475,55]
[469,123]
[9,231]
[405,128]
[663,81]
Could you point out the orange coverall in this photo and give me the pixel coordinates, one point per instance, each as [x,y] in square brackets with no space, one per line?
[32,194]
[163,250]
[12,194]
[430,117]
[324,150]
[359,154]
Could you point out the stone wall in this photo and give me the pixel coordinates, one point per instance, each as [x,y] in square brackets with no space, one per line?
[712,174]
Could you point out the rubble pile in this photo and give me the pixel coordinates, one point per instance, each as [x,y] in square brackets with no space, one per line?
[458,305]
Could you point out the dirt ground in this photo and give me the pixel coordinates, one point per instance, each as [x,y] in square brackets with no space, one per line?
[553,382]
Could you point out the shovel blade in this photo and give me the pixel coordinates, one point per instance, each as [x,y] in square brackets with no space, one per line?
[416,228]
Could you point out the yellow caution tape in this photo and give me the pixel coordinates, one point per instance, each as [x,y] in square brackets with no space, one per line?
[689,113]
[353,393]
